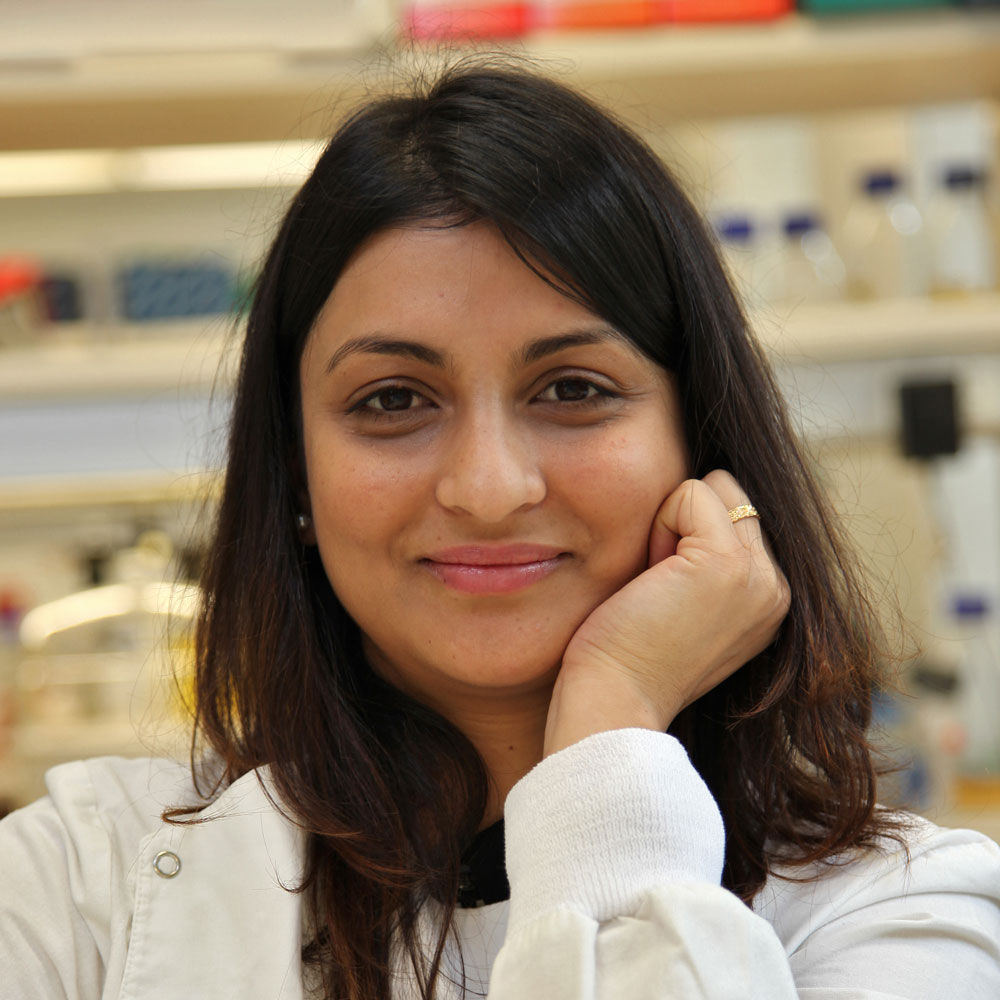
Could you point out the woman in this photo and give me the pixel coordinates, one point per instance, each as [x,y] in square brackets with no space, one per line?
[486,537]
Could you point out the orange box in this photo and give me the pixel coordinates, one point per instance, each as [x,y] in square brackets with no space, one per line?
[561,15]
[977,791]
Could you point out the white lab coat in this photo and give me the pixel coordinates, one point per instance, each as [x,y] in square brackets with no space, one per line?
[614,852]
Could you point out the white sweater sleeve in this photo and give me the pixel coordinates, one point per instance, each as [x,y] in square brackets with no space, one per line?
[614,854]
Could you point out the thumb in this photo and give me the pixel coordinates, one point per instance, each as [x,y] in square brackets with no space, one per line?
[662,541]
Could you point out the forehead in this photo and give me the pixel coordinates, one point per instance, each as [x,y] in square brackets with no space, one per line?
[453,287]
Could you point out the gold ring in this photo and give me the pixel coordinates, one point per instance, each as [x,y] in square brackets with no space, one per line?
[744,510]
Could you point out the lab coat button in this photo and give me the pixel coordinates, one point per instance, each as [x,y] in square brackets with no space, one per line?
[166,864]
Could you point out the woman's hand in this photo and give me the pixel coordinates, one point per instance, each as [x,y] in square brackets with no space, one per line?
[711,599]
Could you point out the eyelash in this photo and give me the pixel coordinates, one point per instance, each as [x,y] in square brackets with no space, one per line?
[601,395]
[362,407]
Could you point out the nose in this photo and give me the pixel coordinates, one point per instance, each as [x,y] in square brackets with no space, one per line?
[490,470]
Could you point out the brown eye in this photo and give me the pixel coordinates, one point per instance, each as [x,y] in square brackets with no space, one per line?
[397,403]
[392,399]
[571,390]
[579,394]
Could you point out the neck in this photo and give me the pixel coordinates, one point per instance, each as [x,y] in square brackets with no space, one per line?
[508,731]
[505,725]
[510,740]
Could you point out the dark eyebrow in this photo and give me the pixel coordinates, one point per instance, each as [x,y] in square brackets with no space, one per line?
[534,351]
[378,344]
[539,349]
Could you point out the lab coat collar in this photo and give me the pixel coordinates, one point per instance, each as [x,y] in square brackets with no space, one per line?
[215,913]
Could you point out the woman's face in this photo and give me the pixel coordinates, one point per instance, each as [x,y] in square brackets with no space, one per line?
[484,458]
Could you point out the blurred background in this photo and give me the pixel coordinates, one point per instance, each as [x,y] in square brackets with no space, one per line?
[845,152]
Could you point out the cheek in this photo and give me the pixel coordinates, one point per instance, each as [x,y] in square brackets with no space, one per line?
[353,520]
[616,486]
[356,502]
[625,472]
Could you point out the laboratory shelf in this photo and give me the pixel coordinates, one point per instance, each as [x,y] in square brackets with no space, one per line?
[797,64]
[89,360]
[93,361]
[890,328]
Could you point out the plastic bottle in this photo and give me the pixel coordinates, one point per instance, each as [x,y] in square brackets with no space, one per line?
[889,733]
[736,238]
[752,256]
[938,733]
[963,253]
[885,253]
[980,681]
[812,270]
[11,612]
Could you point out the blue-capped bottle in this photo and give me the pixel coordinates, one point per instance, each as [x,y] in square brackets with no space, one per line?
[963,253]
[884,240]
[811,270]
[751,255]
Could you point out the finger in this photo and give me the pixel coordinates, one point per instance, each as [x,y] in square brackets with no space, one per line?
[663,536]
[750,530]
[733,496]
[695,509]
[662,541]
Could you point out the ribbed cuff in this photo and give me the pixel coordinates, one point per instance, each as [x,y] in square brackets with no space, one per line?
[595,825]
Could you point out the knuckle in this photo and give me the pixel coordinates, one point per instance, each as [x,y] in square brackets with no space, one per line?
[720,477]
[773,591]
[783,598]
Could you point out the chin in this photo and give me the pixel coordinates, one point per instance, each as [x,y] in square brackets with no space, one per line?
[491,667]
[514,675]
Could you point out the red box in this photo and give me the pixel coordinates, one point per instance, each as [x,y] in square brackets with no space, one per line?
[443,20]
[686,11]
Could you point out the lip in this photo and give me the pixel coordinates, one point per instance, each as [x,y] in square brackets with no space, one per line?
[496,555]
[493,569]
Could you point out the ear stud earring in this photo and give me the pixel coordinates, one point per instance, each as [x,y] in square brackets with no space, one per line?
[304,521]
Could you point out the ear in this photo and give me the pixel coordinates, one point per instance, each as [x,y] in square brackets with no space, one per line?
[307,533]
[298,483]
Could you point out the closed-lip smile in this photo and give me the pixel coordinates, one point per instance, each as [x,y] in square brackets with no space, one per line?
[493,569]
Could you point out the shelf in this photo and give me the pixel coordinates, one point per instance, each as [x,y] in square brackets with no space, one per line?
[85,361]
[251,165]
[797,64]
[50,743]
[54,742]
[193,356]
[863,331]
[985,819]
[54,30]
[28,503]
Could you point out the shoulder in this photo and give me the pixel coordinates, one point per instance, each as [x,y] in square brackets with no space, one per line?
[95,810]
[107,798]
[915,911]
[101,812]
[931,859]
[125,798]
[82,910]
[65,870]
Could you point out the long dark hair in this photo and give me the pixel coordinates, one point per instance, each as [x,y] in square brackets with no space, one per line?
[388,791]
